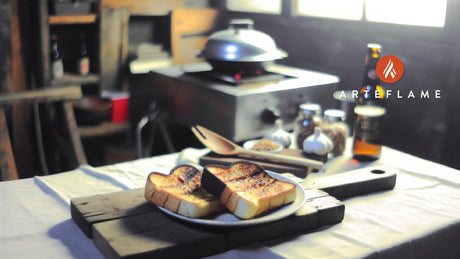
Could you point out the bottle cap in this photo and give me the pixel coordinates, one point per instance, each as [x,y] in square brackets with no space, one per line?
[310,108]
[334,115]
[374,46]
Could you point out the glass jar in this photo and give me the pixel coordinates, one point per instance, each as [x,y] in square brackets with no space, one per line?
[335,127]
[306,122]
[368,132]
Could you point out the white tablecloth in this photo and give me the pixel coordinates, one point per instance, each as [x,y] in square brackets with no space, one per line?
[419,218]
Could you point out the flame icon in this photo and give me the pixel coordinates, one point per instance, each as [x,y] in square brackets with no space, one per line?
[389,70]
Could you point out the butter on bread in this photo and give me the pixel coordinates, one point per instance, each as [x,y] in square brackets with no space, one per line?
[246,189]
[181,192]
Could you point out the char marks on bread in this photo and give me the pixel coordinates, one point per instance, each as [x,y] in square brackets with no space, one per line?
[181,192]
[246,189]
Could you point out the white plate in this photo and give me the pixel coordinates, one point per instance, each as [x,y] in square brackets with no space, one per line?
[250,144]
[227,219]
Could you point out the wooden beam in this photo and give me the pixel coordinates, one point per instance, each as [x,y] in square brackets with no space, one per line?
[21,120]
[43,95]
[43,48]
[103,129]
[145,7]
[72,19]
[6,67]
[19,75]
[113,46]
[75,140]
[7,163]
[70,79]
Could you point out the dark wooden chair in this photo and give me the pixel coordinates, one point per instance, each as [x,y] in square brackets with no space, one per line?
[63,96]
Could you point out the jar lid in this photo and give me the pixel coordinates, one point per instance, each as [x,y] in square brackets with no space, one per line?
[310,108]
[334,115]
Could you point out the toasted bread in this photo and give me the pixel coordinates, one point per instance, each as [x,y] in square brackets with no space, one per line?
[181,192]
[246,189]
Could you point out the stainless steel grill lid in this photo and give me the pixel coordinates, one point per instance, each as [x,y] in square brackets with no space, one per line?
[241,43]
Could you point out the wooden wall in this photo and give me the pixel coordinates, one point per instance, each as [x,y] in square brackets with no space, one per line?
[429,128]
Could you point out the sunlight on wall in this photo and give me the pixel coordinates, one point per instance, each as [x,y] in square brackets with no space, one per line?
[340,9]
[410,12]
[257,6]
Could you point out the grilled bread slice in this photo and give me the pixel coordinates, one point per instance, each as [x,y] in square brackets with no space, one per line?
[181,192]
[246,189]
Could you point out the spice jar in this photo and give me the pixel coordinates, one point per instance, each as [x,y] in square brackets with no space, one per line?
[335,127]
[305,123]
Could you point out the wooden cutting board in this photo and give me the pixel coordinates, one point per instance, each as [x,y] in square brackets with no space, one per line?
[124,225]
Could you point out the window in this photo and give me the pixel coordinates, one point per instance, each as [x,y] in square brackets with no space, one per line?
[256,6]
[408,12]
[341,9]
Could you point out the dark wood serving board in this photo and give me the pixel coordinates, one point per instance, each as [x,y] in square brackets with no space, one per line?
[124,225]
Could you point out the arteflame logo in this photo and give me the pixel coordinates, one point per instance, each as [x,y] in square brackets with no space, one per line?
[390,69]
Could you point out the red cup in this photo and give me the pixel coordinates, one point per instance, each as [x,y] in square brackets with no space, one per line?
[120,105]
[120,110]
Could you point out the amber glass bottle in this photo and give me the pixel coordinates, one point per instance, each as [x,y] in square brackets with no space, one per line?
[369,110]
[83,58]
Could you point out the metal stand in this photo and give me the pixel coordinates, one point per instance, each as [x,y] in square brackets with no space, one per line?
[153,116]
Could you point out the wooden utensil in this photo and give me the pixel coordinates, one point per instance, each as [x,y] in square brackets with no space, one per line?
[223,146]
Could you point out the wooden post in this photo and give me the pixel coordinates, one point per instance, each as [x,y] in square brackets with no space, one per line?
[73,132]
[6,69]
[7,163]
[113,46]
[43,49]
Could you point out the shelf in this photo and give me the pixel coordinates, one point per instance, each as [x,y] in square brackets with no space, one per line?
[104,129]
[72,19]
[145,7]
[72,79]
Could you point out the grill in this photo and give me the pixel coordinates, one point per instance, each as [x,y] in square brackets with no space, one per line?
[239,105]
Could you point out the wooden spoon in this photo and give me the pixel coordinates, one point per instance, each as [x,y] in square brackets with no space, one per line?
[223,146]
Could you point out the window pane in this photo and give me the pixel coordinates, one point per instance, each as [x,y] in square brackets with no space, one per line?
[411,12]
[342,9]
[256,6]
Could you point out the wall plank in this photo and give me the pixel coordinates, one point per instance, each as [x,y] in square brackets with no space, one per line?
[113,46]
[145,7]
